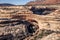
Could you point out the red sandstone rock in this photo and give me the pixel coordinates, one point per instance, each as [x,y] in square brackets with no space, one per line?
[44,2]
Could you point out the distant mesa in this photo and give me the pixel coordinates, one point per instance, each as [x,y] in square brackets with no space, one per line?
[43,2]
[6,4]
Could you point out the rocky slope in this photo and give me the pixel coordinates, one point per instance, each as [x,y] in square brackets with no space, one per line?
[29,23]
[43,2]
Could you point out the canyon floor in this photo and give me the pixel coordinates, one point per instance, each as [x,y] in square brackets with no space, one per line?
[39,22]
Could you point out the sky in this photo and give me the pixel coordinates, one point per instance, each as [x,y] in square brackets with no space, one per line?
[16,2]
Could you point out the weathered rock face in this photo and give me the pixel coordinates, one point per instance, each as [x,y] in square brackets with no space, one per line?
[39,2]
[42,11]
[30,23]
[52,36]
[16,30]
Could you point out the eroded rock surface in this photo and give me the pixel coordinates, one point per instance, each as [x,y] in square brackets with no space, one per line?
[43,2]
[29,23]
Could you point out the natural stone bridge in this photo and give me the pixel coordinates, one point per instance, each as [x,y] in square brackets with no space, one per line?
[17,24]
